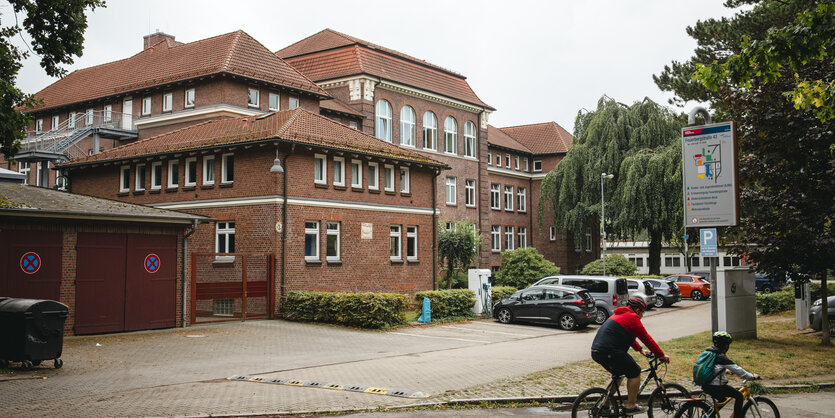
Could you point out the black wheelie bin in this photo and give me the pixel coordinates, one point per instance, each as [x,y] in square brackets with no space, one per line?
[31,331]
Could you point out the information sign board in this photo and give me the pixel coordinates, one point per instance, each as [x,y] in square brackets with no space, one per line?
[709,182]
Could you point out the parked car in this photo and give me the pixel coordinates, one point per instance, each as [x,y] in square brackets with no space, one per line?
[691,285]
[608,292]
[643,290]
[816,314]
[769,283]
[705,275]
[666,292]
[569,307]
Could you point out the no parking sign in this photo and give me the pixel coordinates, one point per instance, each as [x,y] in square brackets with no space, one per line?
[151,263]
[30,263]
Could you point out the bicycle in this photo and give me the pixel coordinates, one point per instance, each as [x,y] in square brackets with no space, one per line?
[753,406]
[600,402]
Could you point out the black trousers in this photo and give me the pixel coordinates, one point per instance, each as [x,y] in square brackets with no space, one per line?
[720,393]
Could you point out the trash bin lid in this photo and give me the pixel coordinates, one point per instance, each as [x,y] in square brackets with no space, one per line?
[31,305]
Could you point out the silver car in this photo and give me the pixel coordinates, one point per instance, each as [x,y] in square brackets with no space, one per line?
[816,314]
[643,290]
[608,292]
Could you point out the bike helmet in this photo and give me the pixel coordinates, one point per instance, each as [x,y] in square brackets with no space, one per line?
[637,303]
[722,339]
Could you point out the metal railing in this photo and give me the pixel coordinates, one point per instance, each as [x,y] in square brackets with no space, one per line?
[71,130]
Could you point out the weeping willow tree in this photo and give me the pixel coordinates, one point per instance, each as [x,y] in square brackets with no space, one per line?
[640,146]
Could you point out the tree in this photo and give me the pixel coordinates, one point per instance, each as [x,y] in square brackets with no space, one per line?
[57,31]
[616,265]
[457,247]
[767,68]
[522,267]
[639,144]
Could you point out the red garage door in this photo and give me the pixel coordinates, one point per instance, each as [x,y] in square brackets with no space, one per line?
[30,264]
[125,282]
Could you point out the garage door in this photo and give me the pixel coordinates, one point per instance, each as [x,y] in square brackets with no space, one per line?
[30,264]
[125,282]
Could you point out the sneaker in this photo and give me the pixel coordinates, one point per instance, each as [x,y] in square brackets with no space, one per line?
[634,411]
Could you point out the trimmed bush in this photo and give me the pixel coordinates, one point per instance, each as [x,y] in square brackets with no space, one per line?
[616,265]
[361,310]
[522,267]
[769,303]
[501,292]
[449,303]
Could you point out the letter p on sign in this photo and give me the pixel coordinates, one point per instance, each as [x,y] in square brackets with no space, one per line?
[708,242]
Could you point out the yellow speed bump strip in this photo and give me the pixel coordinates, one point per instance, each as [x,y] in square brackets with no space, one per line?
[401,393]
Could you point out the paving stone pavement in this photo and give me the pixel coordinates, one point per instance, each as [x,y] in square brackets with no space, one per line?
[183,372]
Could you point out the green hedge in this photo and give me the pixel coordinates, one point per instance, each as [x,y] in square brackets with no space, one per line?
[449,303]
[501,292]
[362,310]
[768,303]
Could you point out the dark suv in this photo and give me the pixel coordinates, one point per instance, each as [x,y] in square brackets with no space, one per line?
[768,283]
[666,292]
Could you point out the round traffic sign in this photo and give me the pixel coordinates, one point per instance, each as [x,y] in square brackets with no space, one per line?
[694,220]
[151,263]
[30,263]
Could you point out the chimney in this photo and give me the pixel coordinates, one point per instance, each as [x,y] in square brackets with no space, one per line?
[155,38]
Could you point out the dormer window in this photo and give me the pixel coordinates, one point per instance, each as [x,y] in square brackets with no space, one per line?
[252,98]
[189,102]
[146,106]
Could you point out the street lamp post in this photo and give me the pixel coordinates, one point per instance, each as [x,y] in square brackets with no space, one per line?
[603,177]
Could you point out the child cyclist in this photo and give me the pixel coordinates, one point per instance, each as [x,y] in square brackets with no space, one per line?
[718,387]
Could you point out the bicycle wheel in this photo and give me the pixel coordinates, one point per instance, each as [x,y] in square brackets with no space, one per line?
[764,409]
[664,400]
[590,403]
[693,409]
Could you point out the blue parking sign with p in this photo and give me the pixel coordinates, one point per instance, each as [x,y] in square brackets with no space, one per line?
[708,242]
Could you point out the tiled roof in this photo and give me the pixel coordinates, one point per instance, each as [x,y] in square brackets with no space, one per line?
[337,105]
[329,54]
[498,138]
[542,138]
[235,53]
[299,126]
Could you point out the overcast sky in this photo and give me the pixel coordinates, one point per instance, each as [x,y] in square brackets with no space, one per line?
[534,61]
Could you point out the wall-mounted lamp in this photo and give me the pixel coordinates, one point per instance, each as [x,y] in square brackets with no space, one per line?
[276,168]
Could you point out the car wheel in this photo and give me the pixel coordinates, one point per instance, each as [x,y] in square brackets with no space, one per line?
[567,321]
[659,302]
[696,295]
[505,316]
[767,289]
[600,316]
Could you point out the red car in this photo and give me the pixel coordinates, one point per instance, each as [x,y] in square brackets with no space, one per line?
[691,285]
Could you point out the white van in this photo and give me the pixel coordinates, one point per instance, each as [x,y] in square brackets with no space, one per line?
[608,292]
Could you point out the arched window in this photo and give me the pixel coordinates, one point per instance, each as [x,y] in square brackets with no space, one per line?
[383,120]
[450,135]
[407,126]
[469,139]
[430,131]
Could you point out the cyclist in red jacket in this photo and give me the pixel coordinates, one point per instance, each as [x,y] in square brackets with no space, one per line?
[612,342]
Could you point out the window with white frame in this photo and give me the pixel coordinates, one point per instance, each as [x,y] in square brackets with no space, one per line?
[353,124]
[388,175]
[146,106]
[88,117]
[227,168]
[173,173]
[469,139]
[208,170]
[394,243]
[140,177]
[451,191]
[537,166]
[56,120]
[450,135]
[332,230]
[338,171]
[252,98]
[24,168]
[311,240]
[382,121]
[496,238]
[275,101]
[527,164]
[508,198]
[156,175]
[320,169]
[189,98]
[39,125]
[498,159]
[521,199]
[516,158]
[522,232]
[411,242]
[40,180]
[124,179]
[404,180]
[469,192]
[507,160]
[61,181]
[407,126]
[71,120]
[495,196]
[508,238]
[430,131]
[293,101]
[356,174]
[552,233]
[167,102]
[489,158]
[225,242]
[373,176]
[588,241]
[191,172]
[108,113]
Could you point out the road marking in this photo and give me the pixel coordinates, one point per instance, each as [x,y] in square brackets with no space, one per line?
[400,393]
[491,332]
[442,338]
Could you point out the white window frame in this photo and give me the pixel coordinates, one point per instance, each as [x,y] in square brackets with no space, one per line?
[450,135]
[208,161]
[552,232]
[404,179]
[508,198]
[388,174]
[498,159]
[509,238]
[60,181]
[339,171]
[489,158]
[310,230]
[108,113]
[395,243]
[353,124]
[224,168]
[173,181]
[469,139]
[588,242]
[373,178]
[320,162]
[430,126]
[156,180]
[139,181]
[188,98]
[277,97]
[71,120]
[521,199]
[167,101]
[146,106]
[516,158]
[507,160]
[249,97]
[527,164]
[39,125]
[496,196]
[89,117]
[39,174]
[224,230]
[356,175]
[124,179]
[56,120]
[451,191]
[335,232]
[522,233]
[382,120]
[411,242]
[537,166]
[496,238]
[188,171]
[407,126]
[293,101]
[24,168]
[469,193]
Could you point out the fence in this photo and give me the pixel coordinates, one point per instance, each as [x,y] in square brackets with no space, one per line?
[236,286]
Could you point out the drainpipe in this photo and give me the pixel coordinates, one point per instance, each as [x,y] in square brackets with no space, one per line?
[186,236]
[435,231]
[284,226]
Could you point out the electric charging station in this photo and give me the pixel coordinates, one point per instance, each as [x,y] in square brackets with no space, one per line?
[478,280]
[736,302]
